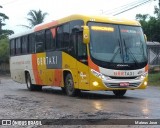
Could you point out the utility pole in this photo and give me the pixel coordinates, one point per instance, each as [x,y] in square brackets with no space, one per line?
[159,4]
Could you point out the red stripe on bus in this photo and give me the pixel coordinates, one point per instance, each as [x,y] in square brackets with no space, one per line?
[92,65]
[58,77]
[53,32]
[146,68]
[35,70]
[47,25]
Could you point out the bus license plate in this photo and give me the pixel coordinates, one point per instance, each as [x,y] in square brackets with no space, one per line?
[124,84]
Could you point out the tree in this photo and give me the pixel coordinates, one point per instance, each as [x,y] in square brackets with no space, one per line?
[35,18]
[143,20]
[157,12]
[4,50]
[142,17]
[151,25]
[4,32]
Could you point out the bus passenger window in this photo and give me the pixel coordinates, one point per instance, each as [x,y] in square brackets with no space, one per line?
[82,49]
[62,41]
[74,25]
[31,43]
[65,35]
[59,38]
[39,47]
[24,44]
[12,47]
[50,39]
[72,45]
[40,38]
[18,46]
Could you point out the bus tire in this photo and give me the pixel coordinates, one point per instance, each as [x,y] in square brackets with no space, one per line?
[63,90]
[38,88]
[30,86]
[119,93]
[69,85]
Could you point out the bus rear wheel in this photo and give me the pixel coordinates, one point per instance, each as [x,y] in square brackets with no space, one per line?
[69,86]
[30,86]
[119,93]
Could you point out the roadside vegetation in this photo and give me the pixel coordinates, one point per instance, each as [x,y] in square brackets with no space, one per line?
[34,18]
[154,76]
[151,27]
[151,24]
[4,32]
[154,79]
[4,42]
[4,50]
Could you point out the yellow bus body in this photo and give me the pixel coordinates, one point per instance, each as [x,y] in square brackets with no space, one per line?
[84,79]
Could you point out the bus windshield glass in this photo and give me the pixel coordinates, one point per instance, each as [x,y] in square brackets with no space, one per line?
[117,43]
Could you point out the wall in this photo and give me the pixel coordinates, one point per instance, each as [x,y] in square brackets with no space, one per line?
[4,68]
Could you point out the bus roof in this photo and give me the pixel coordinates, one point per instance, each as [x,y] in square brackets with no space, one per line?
[85,18]
[21,34]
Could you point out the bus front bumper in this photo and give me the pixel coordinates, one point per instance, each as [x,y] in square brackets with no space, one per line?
[119,84]
[126,83]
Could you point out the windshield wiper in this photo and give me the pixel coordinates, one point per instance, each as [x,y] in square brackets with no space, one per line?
[115,54]
[127,49]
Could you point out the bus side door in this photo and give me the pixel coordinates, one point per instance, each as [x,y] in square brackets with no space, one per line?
[82,64]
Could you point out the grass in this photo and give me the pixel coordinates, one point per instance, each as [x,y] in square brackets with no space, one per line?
[154,79]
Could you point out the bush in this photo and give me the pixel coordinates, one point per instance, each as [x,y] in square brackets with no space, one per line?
[154,69]
[4,50]
[154,78]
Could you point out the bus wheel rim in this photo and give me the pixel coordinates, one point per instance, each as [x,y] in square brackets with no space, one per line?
[70,85]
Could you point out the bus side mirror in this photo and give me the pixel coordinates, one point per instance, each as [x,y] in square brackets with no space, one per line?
[145,37]
[86,34]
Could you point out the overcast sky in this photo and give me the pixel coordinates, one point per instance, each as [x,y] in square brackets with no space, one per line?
[17,9]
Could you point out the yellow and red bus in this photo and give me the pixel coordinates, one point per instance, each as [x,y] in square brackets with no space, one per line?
[81,52]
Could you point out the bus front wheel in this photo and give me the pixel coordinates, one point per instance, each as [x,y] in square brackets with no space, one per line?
[119,93]
[69,86]
[31,86]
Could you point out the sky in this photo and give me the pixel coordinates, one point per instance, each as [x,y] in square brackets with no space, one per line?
[17,10]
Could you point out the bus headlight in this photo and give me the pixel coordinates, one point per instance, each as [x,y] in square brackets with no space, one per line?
[142,76]
[100,75]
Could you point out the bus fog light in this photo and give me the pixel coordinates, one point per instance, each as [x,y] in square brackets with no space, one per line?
[145,83]
[95,83]
[142,77]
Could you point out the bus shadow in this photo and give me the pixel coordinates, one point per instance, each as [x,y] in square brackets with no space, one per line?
[89,94]
[102,95]
[84,94]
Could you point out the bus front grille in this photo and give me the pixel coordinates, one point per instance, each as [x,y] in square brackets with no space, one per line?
[117,85]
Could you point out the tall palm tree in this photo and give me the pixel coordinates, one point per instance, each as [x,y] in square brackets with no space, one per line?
[35,17]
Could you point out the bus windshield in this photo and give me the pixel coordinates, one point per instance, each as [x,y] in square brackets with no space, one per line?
[117,43]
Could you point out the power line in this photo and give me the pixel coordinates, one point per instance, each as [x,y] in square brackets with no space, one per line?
[13,1]
[126,7]
[122,7]
[133,7]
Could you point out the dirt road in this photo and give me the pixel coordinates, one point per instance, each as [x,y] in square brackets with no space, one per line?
[17,102]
